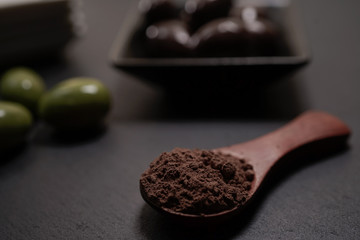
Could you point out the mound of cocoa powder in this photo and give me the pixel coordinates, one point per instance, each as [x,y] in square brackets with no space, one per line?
[197,181]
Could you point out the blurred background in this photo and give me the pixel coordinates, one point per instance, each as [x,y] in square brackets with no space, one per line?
[89,189]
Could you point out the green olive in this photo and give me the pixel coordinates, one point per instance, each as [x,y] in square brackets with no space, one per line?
[22,85]
[75,103]
[15,122]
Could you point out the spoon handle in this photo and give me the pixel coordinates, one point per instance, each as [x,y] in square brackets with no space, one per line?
[311,128]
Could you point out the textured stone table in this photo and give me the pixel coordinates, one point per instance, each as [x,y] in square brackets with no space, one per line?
[88,189]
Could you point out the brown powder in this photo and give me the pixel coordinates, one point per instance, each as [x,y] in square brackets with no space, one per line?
[197,181]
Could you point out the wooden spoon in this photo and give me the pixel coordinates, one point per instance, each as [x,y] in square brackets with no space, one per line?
[312,132]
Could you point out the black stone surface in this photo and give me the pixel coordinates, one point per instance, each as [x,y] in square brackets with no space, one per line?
[88,188]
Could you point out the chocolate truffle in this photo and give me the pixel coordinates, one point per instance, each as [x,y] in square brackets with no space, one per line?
[224,37]
[157,10]
[234,37]
[198,12]
[261,33]
[168,39]
[261,37]
[246,12]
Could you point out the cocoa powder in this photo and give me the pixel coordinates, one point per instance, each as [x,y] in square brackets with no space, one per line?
[197,181]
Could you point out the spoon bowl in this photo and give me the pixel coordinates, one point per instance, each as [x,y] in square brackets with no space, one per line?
[311,133]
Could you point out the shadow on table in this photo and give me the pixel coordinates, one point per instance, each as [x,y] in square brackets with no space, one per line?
[6,156]
[46,135]
[13,160]
[156,226]
[280,100]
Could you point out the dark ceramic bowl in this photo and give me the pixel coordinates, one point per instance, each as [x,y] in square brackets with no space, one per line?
[128,53]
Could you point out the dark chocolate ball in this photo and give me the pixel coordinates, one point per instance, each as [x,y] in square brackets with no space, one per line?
[233,37]
[249,12]
[262,37]
[198,12]
[224,37]
[168,38]
[262,34]
[157,10]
